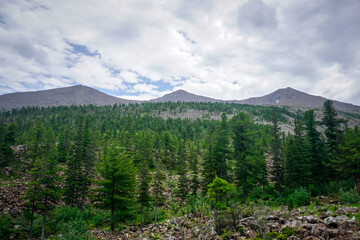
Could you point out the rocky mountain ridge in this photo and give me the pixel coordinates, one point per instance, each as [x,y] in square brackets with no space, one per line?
[83,95]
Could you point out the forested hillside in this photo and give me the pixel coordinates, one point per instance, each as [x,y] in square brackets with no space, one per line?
[177,171]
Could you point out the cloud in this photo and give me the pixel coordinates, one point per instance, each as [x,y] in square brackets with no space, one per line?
[142,49]
[255,14]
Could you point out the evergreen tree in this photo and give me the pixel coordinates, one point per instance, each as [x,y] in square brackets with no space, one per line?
[209,165]
[316,151]
[249,162]
[216,193]
[276,150]
[193,159]
[296,156]
[183,184]
[117,188]
[158,188]
[348,162]
[7,138]
[221,148]
[43,189]
[144,159]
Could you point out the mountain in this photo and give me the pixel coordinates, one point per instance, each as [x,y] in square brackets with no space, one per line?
[183,96]
[294,98]
[82,95]
[74,95]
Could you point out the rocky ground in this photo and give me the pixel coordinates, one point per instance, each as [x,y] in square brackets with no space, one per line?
[304,224]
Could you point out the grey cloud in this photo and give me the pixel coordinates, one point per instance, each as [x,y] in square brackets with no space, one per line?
[28,49]
[256,15]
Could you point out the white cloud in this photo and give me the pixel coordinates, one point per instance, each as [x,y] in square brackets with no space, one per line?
[222,49]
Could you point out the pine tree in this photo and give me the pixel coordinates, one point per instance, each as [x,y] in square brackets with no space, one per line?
[183,184]
[43,189]
[158,188]
[144,159]
[193,160]
[216,192]
[249,162]
[117,188]
[209,165]
[221,148]
[276,149]
[318,170]
[79,165]
[296,156]
[348,161]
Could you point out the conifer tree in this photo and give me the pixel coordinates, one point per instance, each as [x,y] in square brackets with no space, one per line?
[193,160]
[249,162]
[221,148]
[117,188]
[158,186]
[276,150]
[316,151]
[43,189]
[348,161]
[209,165]
[297,160]
[183,184]
[144,159]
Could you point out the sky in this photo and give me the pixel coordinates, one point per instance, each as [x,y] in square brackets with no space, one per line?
[143,49]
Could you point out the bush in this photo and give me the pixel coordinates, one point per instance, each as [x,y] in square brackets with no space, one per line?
[6,226]
[73,230]
[299,198]
[349,197]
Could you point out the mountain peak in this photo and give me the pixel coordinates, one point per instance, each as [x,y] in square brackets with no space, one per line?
[183,96]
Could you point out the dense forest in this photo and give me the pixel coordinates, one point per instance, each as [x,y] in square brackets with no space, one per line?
[87,168]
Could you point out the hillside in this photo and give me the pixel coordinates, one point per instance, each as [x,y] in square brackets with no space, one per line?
[294,98]
[183,96]
[74,95]
[83,95]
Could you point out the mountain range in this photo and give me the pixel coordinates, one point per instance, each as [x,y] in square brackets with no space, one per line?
[83,95]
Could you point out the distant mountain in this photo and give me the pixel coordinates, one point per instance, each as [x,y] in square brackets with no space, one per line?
[82,95]
[294,98]
[183,96]
[74,95]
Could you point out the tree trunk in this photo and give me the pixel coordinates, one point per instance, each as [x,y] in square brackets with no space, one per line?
[357,184]
[244,197]
[280,197]
[155,212]
[318,188]
[142,214]
[43,226]
[32,221]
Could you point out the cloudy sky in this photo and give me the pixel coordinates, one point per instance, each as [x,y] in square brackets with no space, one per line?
[146,48]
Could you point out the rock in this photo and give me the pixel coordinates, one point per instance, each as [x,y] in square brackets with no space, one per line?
[319,230]
[331,222]
[311,238]
[311,219]
[324,215]
[293,238]
[333,233]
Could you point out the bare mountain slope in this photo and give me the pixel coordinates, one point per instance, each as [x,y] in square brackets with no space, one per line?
[183,96]
[74,95]
[294,98]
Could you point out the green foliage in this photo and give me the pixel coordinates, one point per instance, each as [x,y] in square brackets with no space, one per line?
[6,226]
[351,196]
[117,188]
[73,230]
[217,190]
[300,197]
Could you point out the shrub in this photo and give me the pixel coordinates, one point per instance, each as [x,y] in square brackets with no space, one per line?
[6,226]
[73,230]
[349,197]
[299,198]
